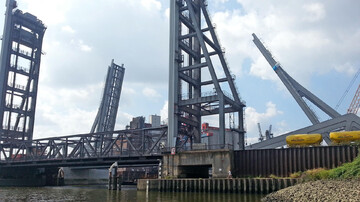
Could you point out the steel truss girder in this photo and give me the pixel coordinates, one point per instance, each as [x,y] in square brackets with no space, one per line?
[188,37]
[296,90]
[77,147]
[346,122]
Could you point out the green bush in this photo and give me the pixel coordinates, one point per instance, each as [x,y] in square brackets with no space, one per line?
[347,170]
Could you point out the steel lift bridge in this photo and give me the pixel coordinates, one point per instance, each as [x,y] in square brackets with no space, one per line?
[106,116]
[347,122]
[198,76]
[19,75]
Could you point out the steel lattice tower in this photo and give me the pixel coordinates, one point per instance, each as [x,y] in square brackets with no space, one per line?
[195,59]
[106,116]
[19,72]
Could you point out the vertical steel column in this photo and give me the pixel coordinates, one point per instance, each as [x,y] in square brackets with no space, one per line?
[193,46]
[174,62]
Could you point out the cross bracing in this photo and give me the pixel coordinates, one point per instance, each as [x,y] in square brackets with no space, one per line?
[19,73]
[197,65]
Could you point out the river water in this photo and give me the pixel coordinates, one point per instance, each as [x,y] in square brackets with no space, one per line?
[101,194]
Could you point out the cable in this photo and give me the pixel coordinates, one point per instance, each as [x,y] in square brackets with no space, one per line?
[347,90]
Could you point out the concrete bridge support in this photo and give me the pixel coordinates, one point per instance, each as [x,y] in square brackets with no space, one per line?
[198,164]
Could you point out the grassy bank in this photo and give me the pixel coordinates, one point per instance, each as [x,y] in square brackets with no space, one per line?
[345,171]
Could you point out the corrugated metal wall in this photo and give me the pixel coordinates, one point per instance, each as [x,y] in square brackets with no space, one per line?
[283,162]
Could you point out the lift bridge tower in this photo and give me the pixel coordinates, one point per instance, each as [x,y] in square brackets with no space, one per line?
[198,76]
[19,73]
[106,116]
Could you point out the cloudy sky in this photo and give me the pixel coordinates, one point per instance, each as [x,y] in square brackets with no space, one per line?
[317,42]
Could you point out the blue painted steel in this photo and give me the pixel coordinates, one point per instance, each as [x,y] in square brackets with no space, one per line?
[274,67]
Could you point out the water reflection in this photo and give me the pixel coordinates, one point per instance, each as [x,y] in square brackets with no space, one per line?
[198,197]
[101,194]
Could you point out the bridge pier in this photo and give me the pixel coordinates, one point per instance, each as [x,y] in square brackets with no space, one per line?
[60,181]
[114,179]
[198,164]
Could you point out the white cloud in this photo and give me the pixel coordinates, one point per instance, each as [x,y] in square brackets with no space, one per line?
[313,39]
[221,1]
[315,11]
[84,47]
[151,4]
[261,68]
[50,12]
[150,93]
[65,111]
[122,120]
[67,29]
[348,68]
[81,45]
[253,117]
[167,13]
[164,112]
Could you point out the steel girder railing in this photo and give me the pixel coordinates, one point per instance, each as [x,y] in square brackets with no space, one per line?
[139,142]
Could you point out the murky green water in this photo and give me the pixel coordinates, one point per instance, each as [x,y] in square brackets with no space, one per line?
[101,194]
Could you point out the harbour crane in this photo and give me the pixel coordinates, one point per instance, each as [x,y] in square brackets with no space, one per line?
[268,134]
[261,136]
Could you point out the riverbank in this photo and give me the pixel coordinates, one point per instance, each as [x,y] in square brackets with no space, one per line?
[321,190]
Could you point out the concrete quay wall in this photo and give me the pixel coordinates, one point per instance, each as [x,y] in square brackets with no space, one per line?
[190,164]
[219,185]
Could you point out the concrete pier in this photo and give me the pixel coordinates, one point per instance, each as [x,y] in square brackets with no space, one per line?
[220,185]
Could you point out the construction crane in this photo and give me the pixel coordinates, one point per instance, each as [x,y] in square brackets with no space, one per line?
[261,136]
[268,134]
[355,103]
[347,89]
